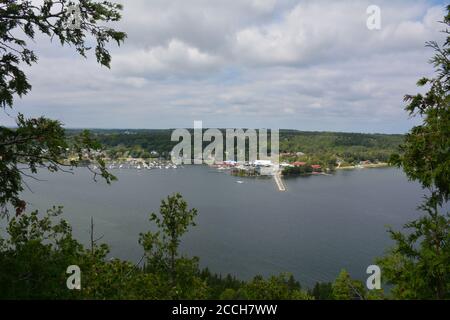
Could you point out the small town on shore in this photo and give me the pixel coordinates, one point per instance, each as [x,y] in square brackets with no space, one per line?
[256,168]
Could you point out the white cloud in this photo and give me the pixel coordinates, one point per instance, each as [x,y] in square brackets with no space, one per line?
[316,31]
[175,58]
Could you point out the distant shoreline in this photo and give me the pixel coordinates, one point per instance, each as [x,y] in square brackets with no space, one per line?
[365,166]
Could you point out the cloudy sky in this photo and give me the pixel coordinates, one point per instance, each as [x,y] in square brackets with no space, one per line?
[308,65]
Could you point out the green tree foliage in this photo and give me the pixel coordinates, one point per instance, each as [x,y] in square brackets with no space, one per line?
[162,248]
[345,288]
[20,20]
[426,152]
[326,147]
[41,142]
[173,222]
[34,258]
[223,288]
[137,143]
[419,264]
[322,291]
[322,148]
[36,251]
[299,170]
[282,287]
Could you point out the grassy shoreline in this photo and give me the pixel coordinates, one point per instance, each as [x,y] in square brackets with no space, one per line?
[365,166]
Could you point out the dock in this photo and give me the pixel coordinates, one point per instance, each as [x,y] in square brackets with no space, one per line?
[279,182]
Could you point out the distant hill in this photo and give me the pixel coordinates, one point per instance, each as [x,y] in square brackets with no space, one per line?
[320,147]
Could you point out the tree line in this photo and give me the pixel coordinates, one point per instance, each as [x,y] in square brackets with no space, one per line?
[320,147]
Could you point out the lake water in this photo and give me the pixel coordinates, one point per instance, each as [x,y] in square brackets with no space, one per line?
[319,226]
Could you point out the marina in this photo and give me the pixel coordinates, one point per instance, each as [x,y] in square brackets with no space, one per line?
[141,164]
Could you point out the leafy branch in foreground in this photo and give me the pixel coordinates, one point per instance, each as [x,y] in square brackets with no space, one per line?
[418,265]
[41,142]
[21,20]
[425,154]
[161,247]
[36,250]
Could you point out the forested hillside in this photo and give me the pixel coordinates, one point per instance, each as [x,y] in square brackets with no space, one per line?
[315,146]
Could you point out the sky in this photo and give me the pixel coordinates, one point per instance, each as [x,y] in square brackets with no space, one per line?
[306,65]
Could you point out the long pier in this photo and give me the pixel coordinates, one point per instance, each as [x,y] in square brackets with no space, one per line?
[279,182]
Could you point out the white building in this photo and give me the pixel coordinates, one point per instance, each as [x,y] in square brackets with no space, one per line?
[262,163]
